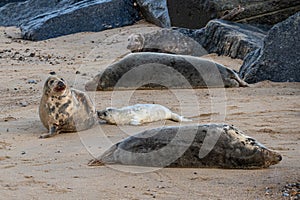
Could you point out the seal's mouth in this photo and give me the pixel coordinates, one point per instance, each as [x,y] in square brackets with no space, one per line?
[61,86]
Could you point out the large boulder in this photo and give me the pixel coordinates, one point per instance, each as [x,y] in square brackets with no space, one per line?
[227,38]
[278,60]
[4,2]
[196,13]
[18,12]
[155,12]
[87,15]
[231,39]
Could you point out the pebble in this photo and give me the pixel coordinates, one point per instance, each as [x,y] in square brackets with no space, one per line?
[23,104]
[31,81]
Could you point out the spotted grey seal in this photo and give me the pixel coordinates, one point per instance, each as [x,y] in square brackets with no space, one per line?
[211,145]
[148,70]
[165,41]
[138,114]
[64,109]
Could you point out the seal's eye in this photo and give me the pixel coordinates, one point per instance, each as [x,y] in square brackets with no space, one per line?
[51,82]
[62,79]
[105,114]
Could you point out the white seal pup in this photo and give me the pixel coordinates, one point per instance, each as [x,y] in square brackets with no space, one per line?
[139,114]
[206,146]
[64,109]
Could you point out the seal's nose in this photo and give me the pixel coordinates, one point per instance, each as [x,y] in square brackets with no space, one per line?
[61,84]
[279,157]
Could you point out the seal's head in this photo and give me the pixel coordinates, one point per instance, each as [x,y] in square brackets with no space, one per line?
[107,115]
[55,86]
[135,42]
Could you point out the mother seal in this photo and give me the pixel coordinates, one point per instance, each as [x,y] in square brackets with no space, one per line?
[64,109]
[211,145]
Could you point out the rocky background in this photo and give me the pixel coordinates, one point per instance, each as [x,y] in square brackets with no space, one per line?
[264,34]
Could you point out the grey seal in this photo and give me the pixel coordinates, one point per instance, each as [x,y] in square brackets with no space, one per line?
[203,146]
[148,70]
[138,114]
[64,109]
[165,41]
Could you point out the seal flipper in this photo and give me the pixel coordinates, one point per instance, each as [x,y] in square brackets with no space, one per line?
[177,118]
[52,131]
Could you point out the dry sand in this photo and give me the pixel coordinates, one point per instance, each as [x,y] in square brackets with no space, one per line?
[56,168]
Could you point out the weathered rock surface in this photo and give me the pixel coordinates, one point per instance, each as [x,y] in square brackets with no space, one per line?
[227,38]
[196,13]
[155,12]
[160,70]
[278,60]
[212,145]
[87,15]
[4,2]
[231,39]
[19,12]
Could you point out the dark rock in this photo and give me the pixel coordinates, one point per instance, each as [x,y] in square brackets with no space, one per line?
[196,13]
[17,13]
[4,2]
[227,38]
[155,12]
[231,39]
[278,60]
[85,15]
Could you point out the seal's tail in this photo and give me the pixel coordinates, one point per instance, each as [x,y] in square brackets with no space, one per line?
[178,118]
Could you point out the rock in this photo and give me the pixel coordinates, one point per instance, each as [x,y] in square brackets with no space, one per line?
[209,145]
[231,39]
[87,15]
[278,59]
[19,12]
[165,41]
[4,2]
[160,70]
[155,12]
[196,13]
[227,38]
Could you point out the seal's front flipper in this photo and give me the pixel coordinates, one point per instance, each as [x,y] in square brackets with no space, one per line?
[52,131]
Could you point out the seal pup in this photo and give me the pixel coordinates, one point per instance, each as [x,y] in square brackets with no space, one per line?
[203,146]
[148,70]
[165,41]
[64,109]
[139,114]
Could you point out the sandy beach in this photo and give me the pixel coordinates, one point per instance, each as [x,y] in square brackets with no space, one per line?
[56,168]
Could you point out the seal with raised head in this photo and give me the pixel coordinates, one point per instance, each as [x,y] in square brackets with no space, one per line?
[148,70]
[210,145]
[64,109]
[139,114]
[165,41]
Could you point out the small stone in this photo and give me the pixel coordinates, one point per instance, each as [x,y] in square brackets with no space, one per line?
[23,104]
[32,81]
[23,152]
[77,72]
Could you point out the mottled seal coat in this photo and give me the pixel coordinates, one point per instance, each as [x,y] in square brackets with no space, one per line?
[165,41]
[64,109]
[147,70]
[211,145]
[139,114]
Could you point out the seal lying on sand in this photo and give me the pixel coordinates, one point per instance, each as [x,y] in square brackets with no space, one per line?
[64,109]
[165,41]
[212,145]
[149,70]
[139,114]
